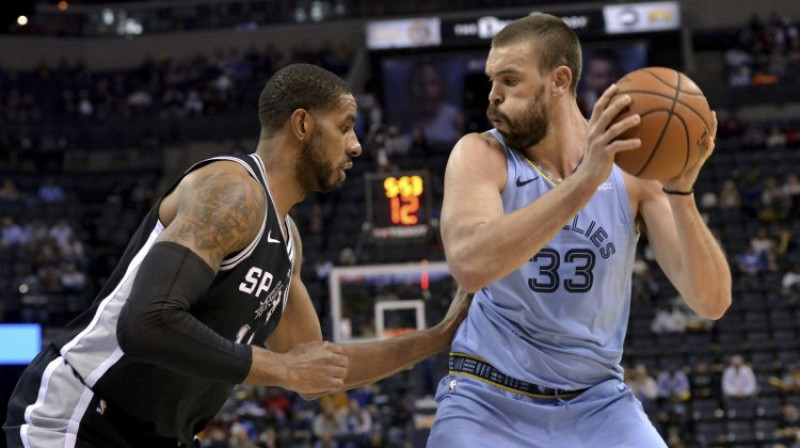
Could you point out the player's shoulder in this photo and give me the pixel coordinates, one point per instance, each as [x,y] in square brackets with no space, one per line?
[478,156]
[220,173]
[481,147]
[480,141]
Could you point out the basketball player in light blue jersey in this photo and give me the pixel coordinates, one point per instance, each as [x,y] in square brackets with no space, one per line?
[539,221]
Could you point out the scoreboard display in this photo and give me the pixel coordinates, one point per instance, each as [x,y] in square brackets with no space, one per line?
[398,205]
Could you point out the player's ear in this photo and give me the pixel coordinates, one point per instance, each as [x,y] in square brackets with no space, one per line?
[301,124]
[562,80]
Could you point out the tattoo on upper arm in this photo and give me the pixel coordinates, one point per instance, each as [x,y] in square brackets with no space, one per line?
[221,216]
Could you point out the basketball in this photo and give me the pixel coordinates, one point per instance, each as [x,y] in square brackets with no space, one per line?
[676,122]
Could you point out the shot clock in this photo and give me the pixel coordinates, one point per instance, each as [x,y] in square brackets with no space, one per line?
[398,205]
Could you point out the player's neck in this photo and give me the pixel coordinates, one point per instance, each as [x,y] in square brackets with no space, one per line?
[560,152]
[281,179]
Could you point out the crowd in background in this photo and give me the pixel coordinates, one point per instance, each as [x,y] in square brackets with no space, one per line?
[766,51]
[59,262]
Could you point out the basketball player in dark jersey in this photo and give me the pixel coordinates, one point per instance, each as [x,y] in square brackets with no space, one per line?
[211,277]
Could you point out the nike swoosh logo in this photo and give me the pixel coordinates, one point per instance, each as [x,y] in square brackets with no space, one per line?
[522,183]
[269,238]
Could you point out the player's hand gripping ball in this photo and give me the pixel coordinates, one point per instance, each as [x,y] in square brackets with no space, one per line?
[676,123]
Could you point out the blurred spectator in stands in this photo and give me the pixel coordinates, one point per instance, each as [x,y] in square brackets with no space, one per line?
[729,196]
[738,380]
[644,286]
[67,103]
[751,262]
[791,191]
[789,430]
[142,193]
[396,145]
[9,192]
[673,385]
[357,423]
[299,427]
[37,231]
[789,383]
[327,422]
[139,100]
[432,112]
[791,280]
[46,259]
[347,257]
[238,436]
[12,234]
[51,282]
[704,382]
[754,137]
[75,252]
[327,440]
[85,106]
[73,280]
[762,241]
[708,200]
[50,192]
[376,440]
[732,126]
[644,387]
[420,148]
[674,440]
[776,138]
[696,322]
[669,320]
[277,402]
[774,204]
[61,233]
[602,69]
[316,220]
[750,190]
[194,103]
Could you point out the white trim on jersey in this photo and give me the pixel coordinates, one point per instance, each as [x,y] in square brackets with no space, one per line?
[59,383]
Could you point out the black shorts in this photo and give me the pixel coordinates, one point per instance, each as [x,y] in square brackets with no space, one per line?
[62,411]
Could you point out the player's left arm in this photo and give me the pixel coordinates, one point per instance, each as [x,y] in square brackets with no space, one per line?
[683,245]
[368,362]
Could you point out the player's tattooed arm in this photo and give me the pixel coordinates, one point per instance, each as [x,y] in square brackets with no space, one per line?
[218,213]
[213,212]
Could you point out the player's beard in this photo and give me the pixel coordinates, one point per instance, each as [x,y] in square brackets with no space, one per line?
[314,172]
[529,129]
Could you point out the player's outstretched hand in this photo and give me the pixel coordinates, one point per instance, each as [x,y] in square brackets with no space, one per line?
[457,312]
[602,143]
[315,368]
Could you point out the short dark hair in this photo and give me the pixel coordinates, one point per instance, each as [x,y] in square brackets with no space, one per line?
[556,43]
[298,86]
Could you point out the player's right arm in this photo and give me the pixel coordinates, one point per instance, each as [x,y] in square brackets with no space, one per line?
[213,212]
[481,242]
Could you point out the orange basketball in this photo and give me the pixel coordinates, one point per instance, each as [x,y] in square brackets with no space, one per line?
[675,126]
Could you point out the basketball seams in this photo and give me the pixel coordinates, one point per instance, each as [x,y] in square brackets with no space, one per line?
[670,85]
[651,112]
[688,142]
[663,129]
[660,79]
[686,105]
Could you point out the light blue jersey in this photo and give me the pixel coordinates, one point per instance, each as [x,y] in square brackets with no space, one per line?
[560,319]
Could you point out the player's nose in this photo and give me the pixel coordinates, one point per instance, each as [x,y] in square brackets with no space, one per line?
[494,95]
[354,147]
